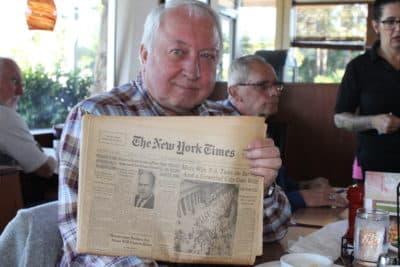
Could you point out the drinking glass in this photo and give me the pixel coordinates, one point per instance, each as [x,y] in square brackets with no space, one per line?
[370,235]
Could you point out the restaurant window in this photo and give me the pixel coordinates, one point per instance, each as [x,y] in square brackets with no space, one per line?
[256,26]
[247,26]
[58,66]
[326,35]
[227,10]
[228,4]
[228,32]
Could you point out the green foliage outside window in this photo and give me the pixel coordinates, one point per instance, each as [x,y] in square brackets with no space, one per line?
[49,97]
[317,65]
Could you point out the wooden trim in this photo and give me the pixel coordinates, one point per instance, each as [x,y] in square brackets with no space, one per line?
[314,146]
[8,170]
[329,2]
[328,45]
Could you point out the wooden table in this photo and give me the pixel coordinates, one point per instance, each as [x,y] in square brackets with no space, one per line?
[319,216]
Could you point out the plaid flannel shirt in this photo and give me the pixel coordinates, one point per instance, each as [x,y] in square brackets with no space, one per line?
[130,100]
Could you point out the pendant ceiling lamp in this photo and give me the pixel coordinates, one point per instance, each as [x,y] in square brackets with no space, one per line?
[41,15]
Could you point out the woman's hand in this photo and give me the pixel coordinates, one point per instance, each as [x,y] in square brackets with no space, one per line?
[386,123]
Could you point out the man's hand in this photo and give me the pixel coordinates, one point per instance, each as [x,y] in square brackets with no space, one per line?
[265,160]
[320,197]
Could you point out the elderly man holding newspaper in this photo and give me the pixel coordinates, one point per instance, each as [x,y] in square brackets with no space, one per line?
[180,50]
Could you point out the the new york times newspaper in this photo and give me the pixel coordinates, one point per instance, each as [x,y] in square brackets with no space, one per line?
[170,188]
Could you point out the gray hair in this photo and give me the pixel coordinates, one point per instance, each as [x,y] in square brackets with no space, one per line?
[153,20]
[240,68]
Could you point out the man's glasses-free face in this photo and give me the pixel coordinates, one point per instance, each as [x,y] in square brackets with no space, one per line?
[390,24]
[266,85]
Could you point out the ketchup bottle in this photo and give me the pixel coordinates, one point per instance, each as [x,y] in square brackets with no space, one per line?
[355,196]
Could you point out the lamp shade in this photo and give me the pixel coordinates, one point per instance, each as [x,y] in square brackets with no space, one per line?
[41,15]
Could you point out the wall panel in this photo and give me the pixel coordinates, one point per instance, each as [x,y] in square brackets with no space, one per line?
[314,146]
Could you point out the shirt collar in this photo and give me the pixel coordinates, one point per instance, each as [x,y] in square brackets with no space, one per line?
[161,111]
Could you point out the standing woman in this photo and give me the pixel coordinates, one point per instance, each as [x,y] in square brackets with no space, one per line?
[368,101]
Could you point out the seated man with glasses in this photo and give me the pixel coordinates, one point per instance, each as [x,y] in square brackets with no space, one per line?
[253,89]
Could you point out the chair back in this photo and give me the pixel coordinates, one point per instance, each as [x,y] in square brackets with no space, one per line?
[220,91]
[277,58]
[32,238]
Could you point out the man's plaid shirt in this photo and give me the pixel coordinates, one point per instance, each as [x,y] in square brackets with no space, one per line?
[130,100]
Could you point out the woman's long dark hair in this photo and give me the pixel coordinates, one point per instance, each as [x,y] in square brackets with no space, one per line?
[377,8]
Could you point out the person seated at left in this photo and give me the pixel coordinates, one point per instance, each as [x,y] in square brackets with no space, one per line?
[253,89]
[17,145]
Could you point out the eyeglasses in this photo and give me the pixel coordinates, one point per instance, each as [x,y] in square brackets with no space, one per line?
[390,24]
[278,85]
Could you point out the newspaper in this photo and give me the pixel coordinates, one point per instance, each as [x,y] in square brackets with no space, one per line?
[204,205]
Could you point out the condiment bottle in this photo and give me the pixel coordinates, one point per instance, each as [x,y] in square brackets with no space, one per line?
[355,196]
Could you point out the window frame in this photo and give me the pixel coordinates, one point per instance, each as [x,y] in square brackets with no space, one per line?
[341,45]
[230,16]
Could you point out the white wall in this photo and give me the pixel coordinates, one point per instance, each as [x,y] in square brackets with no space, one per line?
[130,17]
[283,26]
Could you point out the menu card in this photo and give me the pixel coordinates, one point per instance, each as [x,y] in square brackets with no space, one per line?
[381,193]
[380,190]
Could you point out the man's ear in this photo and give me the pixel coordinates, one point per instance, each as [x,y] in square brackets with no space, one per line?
[143,53]
[235,94]
[232,91]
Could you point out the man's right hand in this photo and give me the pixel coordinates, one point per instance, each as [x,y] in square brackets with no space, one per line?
[323,197]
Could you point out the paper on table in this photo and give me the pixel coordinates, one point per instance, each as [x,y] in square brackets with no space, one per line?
[326,241]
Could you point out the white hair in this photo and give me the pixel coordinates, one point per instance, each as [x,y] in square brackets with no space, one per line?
[153,20]
[240,68]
